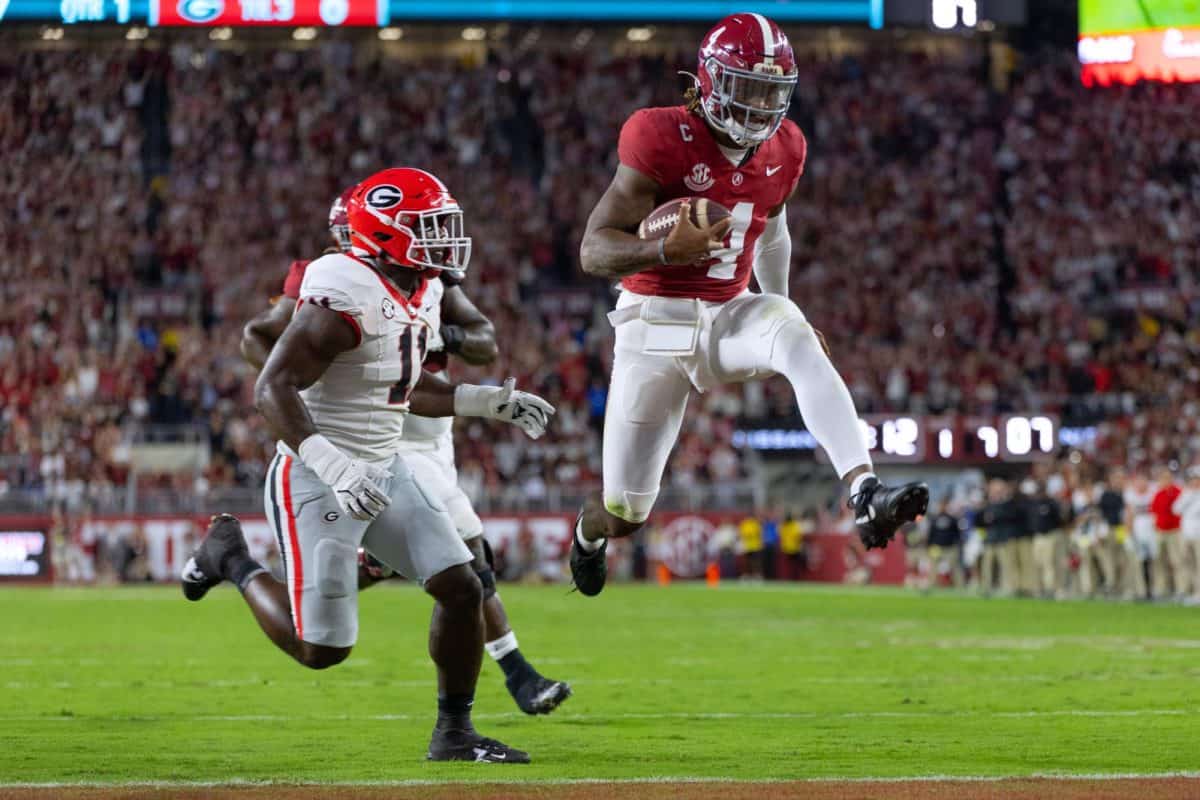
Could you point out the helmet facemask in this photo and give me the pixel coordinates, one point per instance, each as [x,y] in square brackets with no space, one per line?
[436,239]
[341,235]
[748,106]
[440,242]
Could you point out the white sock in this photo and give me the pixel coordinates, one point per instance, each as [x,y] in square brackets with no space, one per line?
[821,394]
[501,647]
[584,544]
[857,483]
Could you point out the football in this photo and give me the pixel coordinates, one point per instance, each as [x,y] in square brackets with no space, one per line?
[659,222]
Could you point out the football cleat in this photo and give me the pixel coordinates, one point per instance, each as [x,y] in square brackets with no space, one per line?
[454,744]
[589,570]
[880,510]
[538,695]
[204,569]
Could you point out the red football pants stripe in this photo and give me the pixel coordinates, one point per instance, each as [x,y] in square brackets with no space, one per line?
[297,567]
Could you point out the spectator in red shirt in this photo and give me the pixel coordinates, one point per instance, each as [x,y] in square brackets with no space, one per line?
[1170,543]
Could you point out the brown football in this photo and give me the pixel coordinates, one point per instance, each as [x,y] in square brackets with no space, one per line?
[661,220]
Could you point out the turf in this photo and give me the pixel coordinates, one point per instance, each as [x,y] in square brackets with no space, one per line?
[754,682]
[1111,16]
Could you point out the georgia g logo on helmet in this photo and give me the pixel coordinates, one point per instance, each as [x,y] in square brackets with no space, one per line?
[384,196]
[408,216]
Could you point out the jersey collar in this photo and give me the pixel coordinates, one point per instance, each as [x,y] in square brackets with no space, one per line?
[411,304]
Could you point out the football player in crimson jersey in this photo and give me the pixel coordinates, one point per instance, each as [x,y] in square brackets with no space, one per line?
[428,445]
[685,317]
[336,390]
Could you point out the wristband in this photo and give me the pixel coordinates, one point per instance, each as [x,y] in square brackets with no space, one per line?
[662,251]
[471,400]
[322,457]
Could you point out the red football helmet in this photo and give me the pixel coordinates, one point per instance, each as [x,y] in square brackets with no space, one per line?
[339,220]
[409,216]
[747,73]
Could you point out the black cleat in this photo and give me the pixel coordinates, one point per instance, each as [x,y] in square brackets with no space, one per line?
[589,570]
[880,510]
[538,695]
[468,745]
[204,569]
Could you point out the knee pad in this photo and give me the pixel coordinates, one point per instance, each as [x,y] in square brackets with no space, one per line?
[633,507]
[336,568]
[488,579]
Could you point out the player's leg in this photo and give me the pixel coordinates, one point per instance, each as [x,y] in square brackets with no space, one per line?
[416,536]
[313,617]
[646,401]
[755,335]
[533,692]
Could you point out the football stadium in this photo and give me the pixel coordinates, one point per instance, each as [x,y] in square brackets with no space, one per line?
[599,399]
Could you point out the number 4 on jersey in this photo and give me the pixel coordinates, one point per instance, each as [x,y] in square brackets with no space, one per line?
[726,267]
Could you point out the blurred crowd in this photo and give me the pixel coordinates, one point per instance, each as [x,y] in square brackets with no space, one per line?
[962,249]
[1076,532]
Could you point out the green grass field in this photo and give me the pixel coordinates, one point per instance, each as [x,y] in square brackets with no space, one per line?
[1110,16]
[776,682]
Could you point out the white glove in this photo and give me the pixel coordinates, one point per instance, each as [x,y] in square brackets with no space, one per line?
[357,485]
[527,411]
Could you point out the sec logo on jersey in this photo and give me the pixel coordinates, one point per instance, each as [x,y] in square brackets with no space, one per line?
[388,309]
[384,196]
[700,178]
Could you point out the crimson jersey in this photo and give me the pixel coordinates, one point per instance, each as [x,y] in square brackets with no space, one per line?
[295,277]
[675,148]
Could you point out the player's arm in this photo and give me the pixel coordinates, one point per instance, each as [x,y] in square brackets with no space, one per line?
[261,332]
[465,330]
[773,259]
[309,344]
[611,248]
[315,337]
[433,396]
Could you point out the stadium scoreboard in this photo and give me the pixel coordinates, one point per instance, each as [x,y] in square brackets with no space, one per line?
[385,12]
[945,15]
[917,439]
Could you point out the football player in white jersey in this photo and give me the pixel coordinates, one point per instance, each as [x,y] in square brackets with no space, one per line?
[336,390]
[456,327]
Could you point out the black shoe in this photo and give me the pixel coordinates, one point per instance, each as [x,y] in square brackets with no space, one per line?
[538,695]
[204,569]
[468,745]
[879,510]
[588,570]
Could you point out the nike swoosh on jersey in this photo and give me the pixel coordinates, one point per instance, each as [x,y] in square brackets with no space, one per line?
[772,170]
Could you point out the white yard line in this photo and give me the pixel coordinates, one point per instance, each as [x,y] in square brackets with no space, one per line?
[680,715]
[247,782]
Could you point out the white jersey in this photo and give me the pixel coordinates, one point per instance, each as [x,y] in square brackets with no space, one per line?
[1139,504]
[430,433]
[361,401]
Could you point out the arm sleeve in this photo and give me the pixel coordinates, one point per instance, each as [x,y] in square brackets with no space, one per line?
[773,257]
[637,147]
